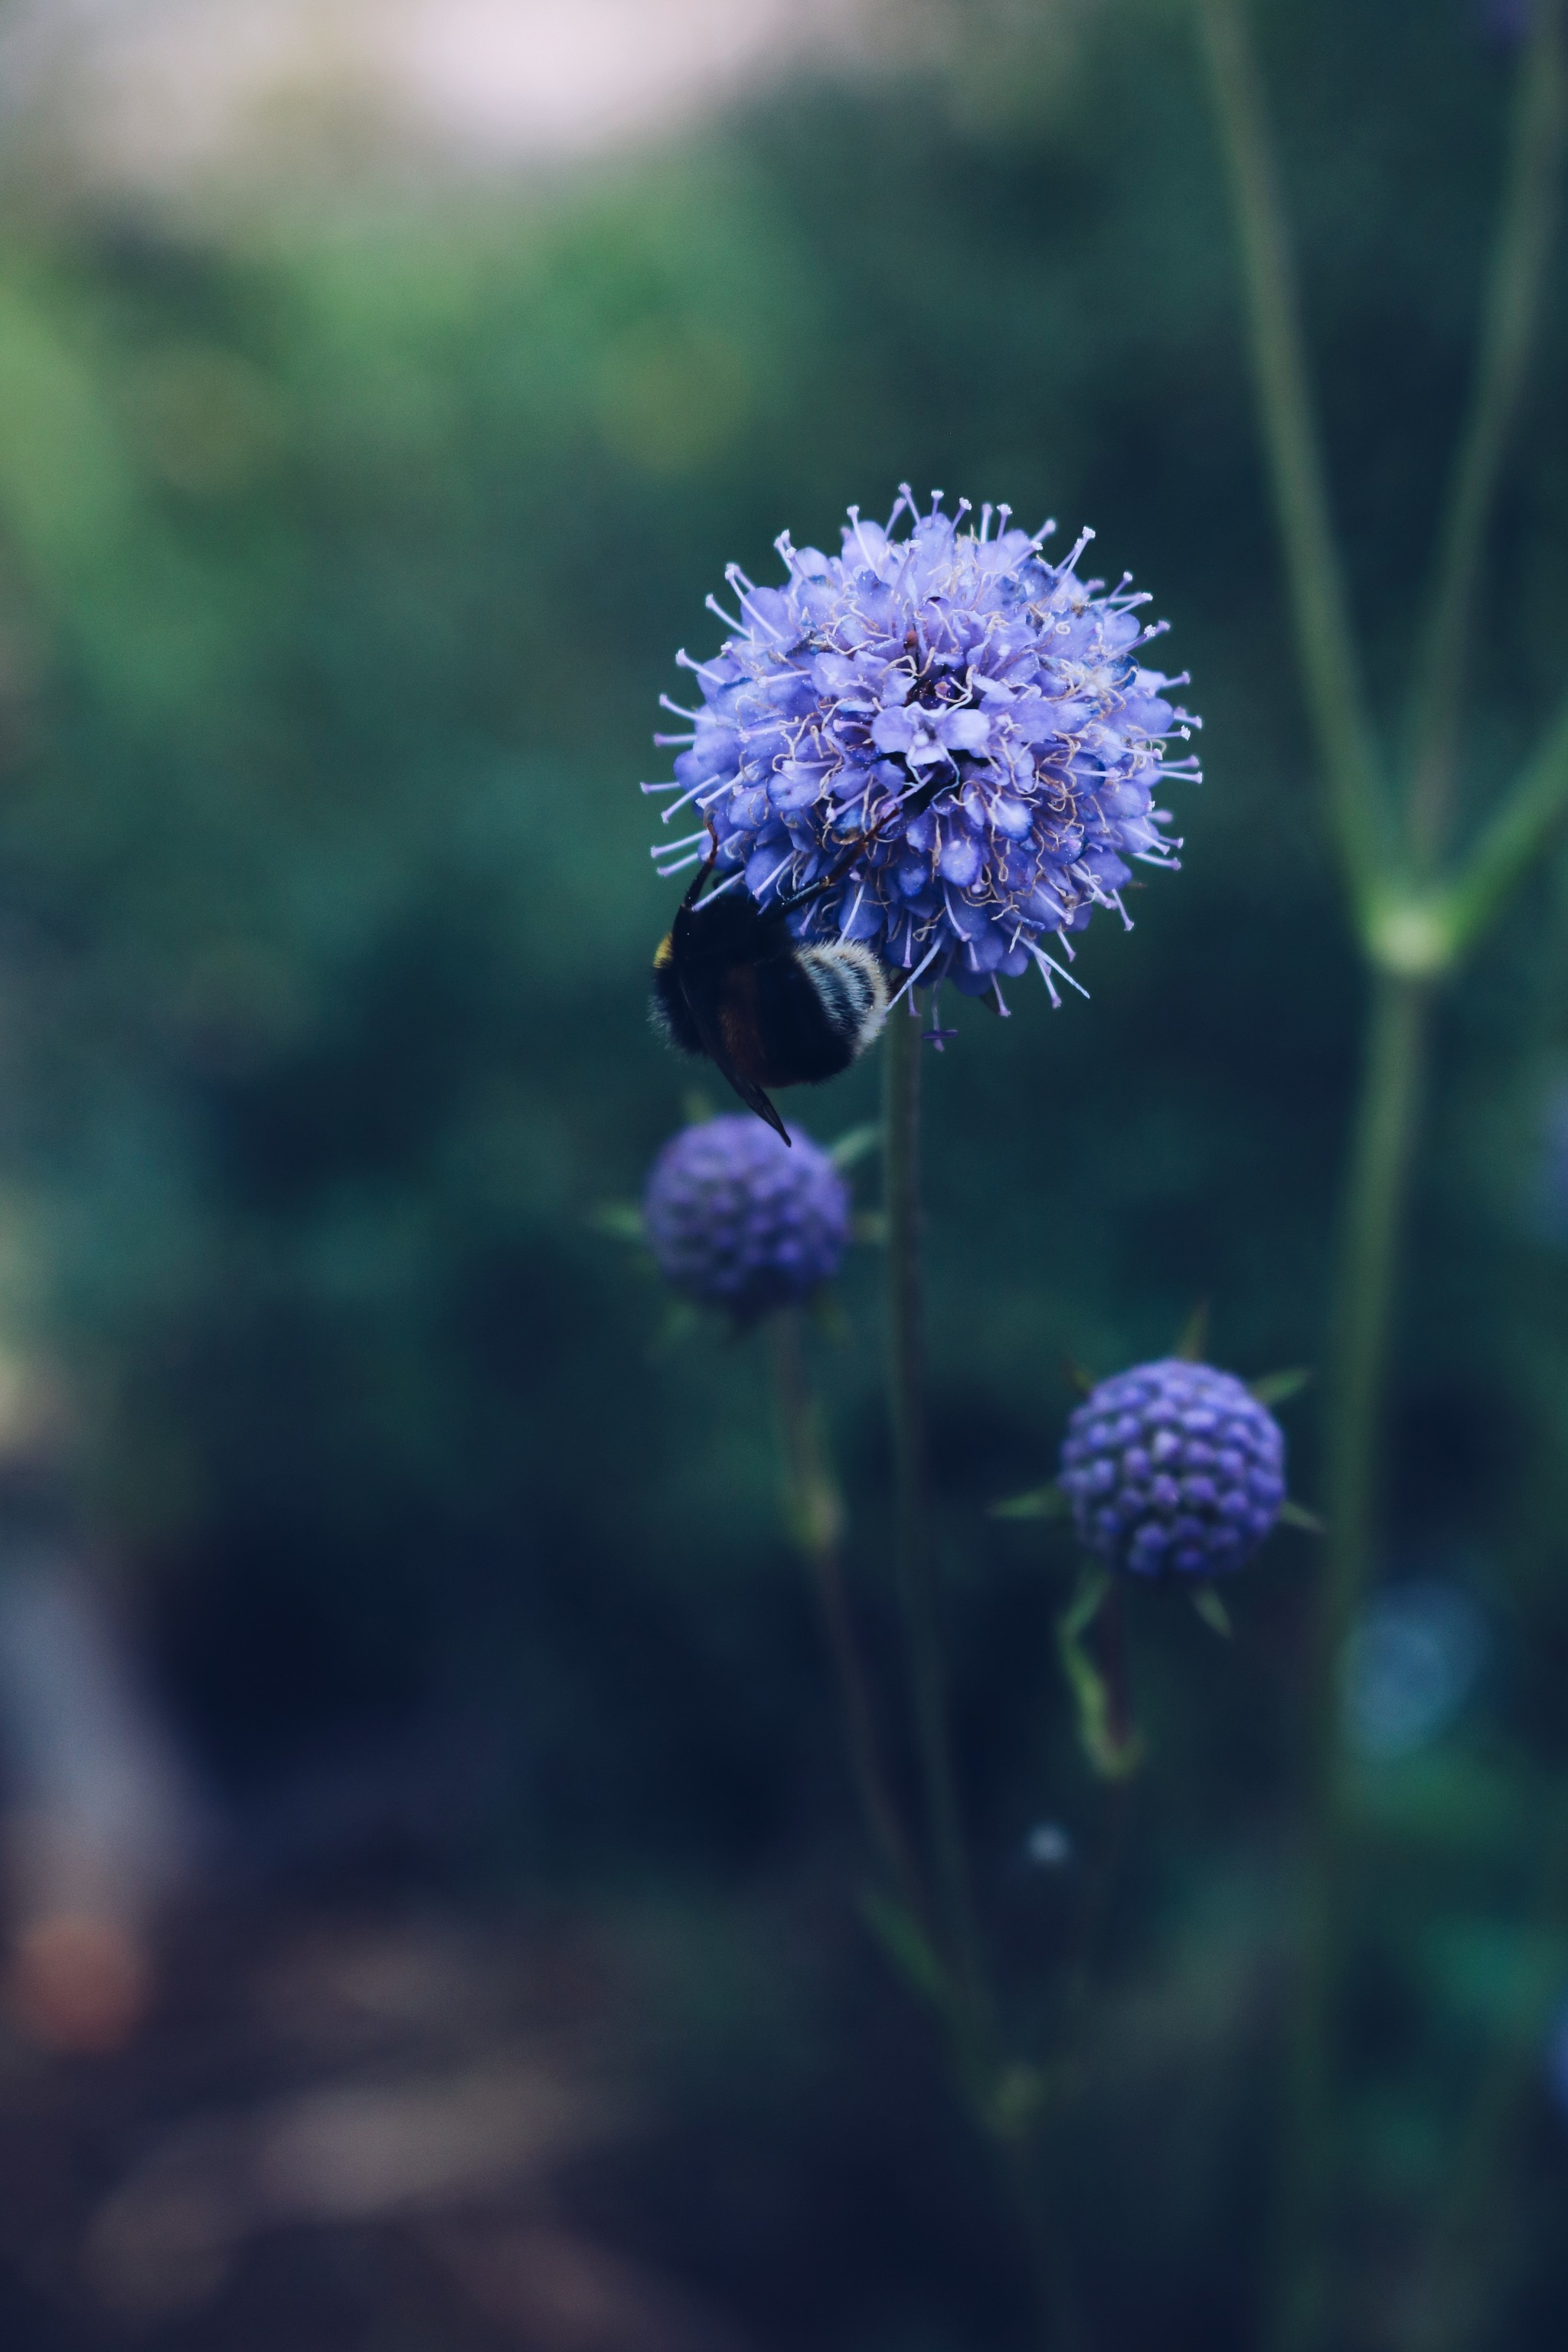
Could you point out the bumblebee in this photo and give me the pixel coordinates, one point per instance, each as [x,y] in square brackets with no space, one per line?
[730,982]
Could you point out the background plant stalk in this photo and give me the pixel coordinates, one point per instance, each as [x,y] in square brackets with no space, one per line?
[1412,934]
[1377,1190]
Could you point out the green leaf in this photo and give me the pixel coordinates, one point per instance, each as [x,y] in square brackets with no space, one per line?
[1077,1377]
[1113,1752]
[1278,1388]
[619,1221]
[857,1144]
[905,1944]
[1193,1344]
[1046,1502]
[869,1228]
[1212,1612]
[697,1106]
[1295,1515]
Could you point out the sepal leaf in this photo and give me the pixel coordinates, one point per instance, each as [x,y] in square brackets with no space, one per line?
[1046,1502]
[1213,1612]
[856,1144]
[907,1946]
[618,1221]
[1192,1345]
[1278,1388]
[1114,1750]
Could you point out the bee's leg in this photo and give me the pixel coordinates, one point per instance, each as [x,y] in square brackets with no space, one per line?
[706,868]
[754,1098]
[916,802]
[829,881]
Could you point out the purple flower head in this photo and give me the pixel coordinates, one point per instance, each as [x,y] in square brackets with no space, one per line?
[1173,1466]
[980,720]
[738,1219]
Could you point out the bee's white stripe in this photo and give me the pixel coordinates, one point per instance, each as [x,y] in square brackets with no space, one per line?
[851,987]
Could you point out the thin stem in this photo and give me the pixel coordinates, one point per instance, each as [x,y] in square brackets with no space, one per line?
[816,1515]
[974,2053]
[914,1560]
[1515,838]
[1392,1085]
[1113,1658]
[1336,702]
[1096,1903]
[1024,2166]
[1512,312]
[1379,1170]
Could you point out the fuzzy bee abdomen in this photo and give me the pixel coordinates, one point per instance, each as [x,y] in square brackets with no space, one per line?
[803,1018]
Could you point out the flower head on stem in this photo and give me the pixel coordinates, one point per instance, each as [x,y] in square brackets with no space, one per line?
[1174,1466]
[979,726]
[740,1221]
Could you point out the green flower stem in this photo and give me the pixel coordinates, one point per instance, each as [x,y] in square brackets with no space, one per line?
[1091,1642]
[913,1554]
[1384,1133]
[1005,2103]
[1392,1086]
[1512,312]
[1336,703]
[816,1519]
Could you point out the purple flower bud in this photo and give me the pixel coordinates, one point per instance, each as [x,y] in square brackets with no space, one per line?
[737,1220]
[1220,1481]
[980,720]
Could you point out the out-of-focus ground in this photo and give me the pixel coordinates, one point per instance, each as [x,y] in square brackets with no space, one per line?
[336,2128]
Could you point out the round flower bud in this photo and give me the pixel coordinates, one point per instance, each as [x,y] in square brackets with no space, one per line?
[1173,1466]
[737,1219]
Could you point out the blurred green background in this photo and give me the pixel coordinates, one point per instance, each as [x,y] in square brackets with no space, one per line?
[347,534]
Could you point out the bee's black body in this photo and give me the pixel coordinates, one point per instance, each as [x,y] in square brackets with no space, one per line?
[731,983]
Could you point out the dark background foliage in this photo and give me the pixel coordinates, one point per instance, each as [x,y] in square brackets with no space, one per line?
[345,551]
